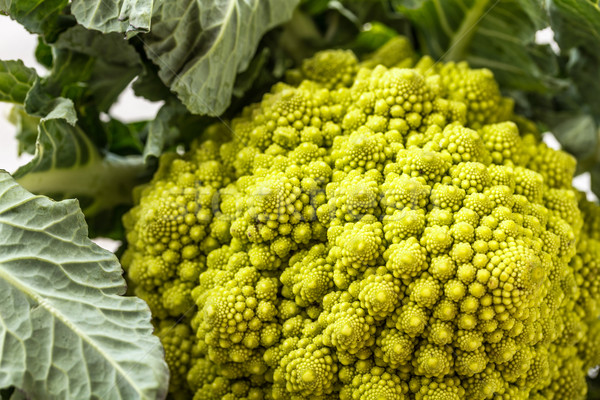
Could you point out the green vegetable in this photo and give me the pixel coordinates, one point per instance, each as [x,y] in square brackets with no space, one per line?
[62,315]
[336,200]
[371,233]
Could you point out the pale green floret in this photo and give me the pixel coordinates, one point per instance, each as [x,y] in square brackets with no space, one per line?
[503,143]
[400,192]
[447,196]
[394,347]
[379,295]
[332,69]
[406,259]
[417,162]
[370,233]
[354,197]
[403,224]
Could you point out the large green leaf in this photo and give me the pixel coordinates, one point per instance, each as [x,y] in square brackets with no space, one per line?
[131,16]
[200,45]
[576,23]
[66,332]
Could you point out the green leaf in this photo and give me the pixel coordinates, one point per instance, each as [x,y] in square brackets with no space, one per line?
[200,46]
[5,394]
[92,68]
[123,138]
[595,177]
[66,332]
[573,114]
[149,85]
[129,16]
[246,79]
[21,85]
[575,23]
[15,81]
[314,7]
[43,53]
[499,35]
[60,122]
[160,132]
[41,104]
[577,133]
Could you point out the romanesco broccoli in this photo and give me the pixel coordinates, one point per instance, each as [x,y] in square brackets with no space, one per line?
[371,232]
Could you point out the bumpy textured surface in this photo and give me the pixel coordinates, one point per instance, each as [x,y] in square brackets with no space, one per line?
[373,233]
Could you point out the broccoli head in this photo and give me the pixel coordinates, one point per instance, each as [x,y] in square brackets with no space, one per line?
[371,231]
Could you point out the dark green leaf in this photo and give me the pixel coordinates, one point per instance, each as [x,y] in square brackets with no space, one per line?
[108,223]
[573,113]
[43,53]
[5,394]
[160,132]
[149,85]
[373,37]
[314,7]
[200,46]
[246,79]
[594,388]
[576,23]
[576,26]
[576,132]
[124,139]
[172,126]
[595,173]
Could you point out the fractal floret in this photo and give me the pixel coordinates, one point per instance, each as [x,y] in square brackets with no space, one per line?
[371,232]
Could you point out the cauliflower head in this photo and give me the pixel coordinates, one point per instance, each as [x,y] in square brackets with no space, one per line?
[371,232]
